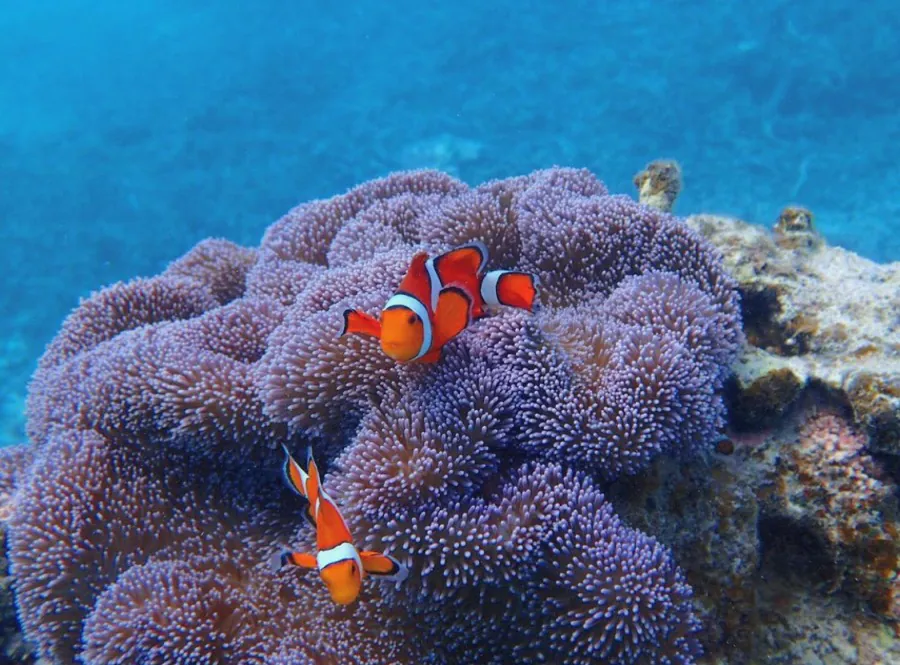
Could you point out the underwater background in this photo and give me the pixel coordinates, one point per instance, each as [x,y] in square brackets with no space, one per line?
[129,131]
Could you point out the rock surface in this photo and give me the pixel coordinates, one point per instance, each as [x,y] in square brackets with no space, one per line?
[815,316]
[789,532]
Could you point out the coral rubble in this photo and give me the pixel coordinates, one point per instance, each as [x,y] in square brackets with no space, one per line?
[142,531]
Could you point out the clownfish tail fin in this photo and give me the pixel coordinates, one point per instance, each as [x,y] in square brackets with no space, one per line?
[360,323]
[511,288]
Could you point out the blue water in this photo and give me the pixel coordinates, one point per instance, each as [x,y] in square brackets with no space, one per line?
[128,131]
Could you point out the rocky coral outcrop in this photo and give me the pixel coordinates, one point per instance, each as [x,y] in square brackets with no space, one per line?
[789,529]
[815,315]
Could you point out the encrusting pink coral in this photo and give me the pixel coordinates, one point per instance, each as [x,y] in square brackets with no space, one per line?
[154,500]
[831,487]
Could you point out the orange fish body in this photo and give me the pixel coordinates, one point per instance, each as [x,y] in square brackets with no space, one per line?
[439,298]
[341,566]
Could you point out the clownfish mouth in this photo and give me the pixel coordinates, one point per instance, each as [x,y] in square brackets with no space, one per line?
[396,350]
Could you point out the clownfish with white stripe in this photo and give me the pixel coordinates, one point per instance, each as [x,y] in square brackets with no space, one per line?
[439,298]
[341,566]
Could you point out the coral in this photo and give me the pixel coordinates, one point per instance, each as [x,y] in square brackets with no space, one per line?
[788,535]
[154,500]
[216,266]
[14,463]
[626,582]
[707,512]
[307,232]
[124,307]
[190,378]
[659,184]
[524,548]
[828,485]
[818,312]
[13,647]
[163,560]
[762,390]
[794,230]
[200,610]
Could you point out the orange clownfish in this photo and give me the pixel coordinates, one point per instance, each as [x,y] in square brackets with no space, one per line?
[438,298]
[340,564]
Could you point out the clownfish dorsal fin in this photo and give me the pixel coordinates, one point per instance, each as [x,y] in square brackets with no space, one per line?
[417,281]
[453,315]
[331,529]
[295,477]
[299,481]
[463,267]
[313,483]
[462,263]
[360,323]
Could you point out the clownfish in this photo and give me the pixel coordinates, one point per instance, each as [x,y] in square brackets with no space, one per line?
[341,566]
[439,298]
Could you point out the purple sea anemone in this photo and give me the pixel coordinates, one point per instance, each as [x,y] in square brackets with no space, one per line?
[142,529]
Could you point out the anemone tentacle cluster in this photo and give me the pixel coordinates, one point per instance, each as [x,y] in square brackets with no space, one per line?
[143,527]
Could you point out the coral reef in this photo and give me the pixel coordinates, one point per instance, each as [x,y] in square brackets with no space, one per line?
[517,469]
[787,534]
[814,315]
[788,529]
[157,412]
[14,462]
[825,484]
[794,229]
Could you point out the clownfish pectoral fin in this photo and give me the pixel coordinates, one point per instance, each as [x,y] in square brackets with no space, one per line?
[360,323]
[383,566]
[453,315]
[509,287]
[299,559]
[462,262]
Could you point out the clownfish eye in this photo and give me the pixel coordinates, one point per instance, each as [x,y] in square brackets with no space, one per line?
[414,319]
[353,569]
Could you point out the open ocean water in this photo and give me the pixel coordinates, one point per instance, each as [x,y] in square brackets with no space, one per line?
[129,131]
